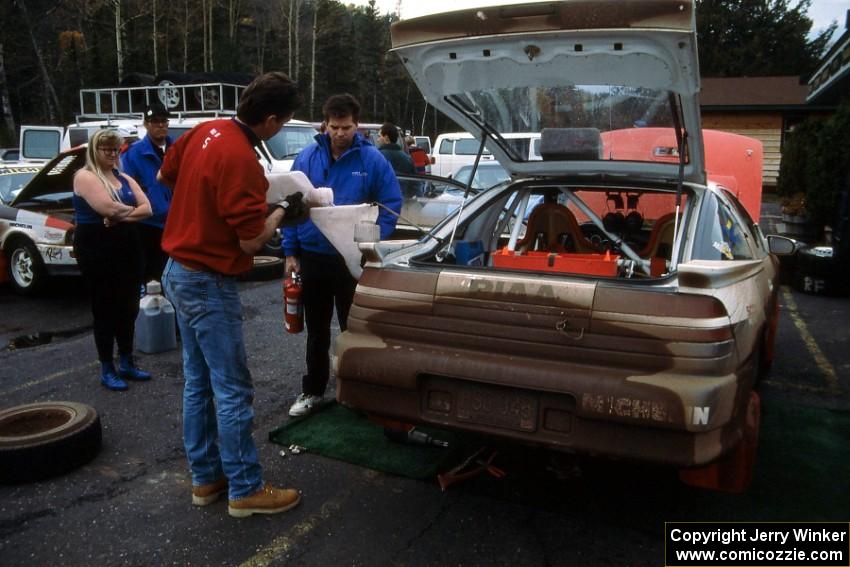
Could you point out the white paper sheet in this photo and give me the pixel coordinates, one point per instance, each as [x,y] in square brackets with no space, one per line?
[339,225]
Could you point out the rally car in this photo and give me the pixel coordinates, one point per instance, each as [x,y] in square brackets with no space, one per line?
[36,221]
[616,297]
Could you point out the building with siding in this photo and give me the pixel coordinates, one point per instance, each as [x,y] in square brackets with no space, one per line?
[768,108]
[765,108]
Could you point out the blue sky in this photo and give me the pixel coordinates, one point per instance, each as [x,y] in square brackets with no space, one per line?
[823,12]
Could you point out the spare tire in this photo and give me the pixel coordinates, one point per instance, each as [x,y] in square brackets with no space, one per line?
[170,96]
[47,439]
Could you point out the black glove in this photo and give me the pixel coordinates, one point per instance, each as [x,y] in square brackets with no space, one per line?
[295,210]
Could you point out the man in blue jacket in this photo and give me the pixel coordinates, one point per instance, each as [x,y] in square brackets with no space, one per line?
[141,162]
[345,161]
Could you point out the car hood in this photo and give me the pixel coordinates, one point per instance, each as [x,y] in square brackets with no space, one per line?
[519,68]
[57,176]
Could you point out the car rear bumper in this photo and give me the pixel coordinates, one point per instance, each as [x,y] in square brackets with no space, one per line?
[665,417]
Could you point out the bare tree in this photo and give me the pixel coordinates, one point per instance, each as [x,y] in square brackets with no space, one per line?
[297,39]
[266,16]
[5,103]
[233,13]
[204,26]
[289,36]
[167,34]
[313,59]
[50,93]
[153,37]
[119,48]
[185,35]
[210,34]
[261,48]
[207,23]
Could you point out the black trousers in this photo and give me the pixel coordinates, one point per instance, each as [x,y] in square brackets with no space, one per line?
[110,260]
[154,258]
[327,283]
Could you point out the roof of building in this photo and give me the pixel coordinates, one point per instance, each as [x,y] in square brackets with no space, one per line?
[753,92]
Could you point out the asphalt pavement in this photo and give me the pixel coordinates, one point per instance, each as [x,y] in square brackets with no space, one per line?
[131,505]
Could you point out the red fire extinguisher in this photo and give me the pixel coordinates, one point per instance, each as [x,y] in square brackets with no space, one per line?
[293,314]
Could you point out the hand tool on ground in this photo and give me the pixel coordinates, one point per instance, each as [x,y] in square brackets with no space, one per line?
[458,474]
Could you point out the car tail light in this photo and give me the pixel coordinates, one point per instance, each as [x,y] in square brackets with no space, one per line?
[657,303]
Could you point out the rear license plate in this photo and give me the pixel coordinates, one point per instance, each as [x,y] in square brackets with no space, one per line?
[501,407]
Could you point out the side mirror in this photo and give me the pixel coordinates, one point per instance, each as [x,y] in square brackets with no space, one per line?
[781,245]
[433,161]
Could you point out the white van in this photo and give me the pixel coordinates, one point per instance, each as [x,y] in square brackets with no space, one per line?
[456,149]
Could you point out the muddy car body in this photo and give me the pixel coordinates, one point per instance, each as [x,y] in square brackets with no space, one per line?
[626,300]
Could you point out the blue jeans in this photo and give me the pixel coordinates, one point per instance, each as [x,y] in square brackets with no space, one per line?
[217,395]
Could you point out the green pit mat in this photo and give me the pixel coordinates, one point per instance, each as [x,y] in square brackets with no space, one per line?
[340,433]
[803,464]
[802,469]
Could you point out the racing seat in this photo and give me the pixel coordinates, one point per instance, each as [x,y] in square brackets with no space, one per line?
[660,244]
[659,248]
[553,228]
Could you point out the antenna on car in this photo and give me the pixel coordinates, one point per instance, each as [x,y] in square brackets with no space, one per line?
[442,254]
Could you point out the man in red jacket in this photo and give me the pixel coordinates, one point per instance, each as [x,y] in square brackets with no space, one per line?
[217,221]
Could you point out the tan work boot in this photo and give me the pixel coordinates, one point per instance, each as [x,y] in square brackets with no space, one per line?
[206,494]
[267,500]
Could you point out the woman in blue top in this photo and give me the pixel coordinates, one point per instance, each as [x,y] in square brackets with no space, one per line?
[107,206]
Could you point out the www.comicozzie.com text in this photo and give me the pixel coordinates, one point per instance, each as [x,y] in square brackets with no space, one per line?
[726,536]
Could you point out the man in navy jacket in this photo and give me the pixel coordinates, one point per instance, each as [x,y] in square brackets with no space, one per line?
[345,161]
[141,162]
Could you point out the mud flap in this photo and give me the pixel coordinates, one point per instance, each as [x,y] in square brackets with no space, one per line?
[733,472]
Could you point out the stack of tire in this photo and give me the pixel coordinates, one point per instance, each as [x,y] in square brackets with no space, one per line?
[171,94]
[207,98]
[820,272]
